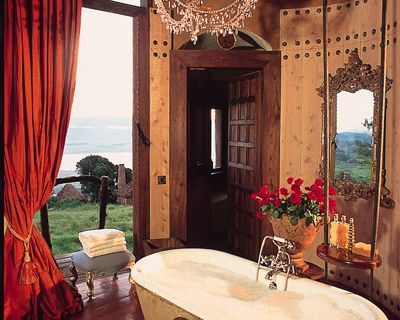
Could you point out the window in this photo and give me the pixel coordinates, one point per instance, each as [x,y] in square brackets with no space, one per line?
[216,137]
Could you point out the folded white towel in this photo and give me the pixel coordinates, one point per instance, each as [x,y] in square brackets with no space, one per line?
[105,246]
[96,244]
[105,251]
[100,235]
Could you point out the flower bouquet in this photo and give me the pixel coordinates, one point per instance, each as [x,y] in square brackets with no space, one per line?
[296,213]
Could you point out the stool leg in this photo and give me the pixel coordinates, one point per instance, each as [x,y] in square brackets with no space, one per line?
[115,276]
[74,277]
[90,284]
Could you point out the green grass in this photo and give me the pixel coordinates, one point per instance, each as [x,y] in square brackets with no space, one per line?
[70,218]
[359,172]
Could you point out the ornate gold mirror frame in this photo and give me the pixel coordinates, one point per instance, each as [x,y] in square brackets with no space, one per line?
[354,76]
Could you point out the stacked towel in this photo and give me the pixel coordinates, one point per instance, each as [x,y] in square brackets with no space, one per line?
[103,241]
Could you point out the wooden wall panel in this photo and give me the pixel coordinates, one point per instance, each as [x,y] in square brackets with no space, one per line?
[388,277]
[159,126]
[352,24]
[291,100]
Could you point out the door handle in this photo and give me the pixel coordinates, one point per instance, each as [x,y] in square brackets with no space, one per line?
[142,136]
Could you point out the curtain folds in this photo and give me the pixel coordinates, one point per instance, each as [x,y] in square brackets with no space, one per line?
[41,40]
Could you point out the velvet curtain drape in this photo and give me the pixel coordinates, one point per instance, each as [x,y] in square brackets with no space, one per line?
[41,40]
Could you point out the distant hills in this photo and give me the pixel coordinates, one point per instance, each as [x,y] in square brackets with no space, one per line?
[97,135]
[345,137]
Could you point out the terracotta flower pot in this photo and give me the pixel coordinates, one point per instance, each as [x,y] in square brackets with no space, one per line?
[302,235]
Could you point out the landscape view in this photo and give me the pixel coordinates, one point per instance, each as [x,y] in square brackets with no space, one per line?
[109,138]
[354,156]
[100,133]
[353,140]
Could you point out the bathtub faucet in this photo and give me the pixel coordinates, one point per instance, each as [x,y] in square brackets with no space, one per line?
[279,263]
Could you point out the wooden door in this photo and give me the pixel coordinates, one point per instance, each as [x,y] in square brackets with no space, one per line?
[245,100]
[199,175]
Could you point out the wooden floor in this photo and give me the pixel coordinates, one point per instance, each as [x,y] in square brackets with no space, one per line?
[113,300]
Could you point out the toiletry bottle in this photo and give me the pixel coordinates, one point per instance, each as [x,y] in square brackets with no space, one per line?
[343,234]
[333,233]
[352,238]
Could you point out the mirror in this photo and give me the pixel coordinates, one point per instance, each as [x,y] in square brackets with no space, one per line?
[353,138]
[354,101]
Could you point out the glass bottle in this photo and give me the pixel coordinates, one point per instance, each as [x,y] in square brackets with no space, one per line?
[352,238]
[333,233]
[343,234]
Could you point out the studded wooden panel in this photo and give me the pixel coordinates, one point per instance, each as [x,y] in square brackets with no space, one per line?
[159,126]
[351,24]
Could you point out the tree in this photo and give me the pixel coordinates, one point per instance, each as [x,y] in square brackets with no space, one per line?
[128,175]
[368,124]
[97,166]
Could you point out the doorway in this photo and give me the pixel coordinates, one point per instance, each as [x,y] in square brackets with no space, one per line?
[224,118]
[222,107]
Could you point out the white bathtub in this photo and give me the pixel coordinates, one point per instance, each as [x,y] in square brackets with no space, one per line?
[208,284]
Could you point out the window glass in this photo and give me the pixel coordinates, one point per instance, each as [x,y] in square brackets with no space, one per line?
[216,121]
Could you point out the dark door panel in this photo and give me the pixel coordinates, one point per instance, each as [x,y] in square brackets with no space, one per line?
[245,100]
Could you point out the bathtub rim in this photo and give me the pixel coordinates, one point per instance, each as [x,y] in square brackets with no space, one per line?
[186,305]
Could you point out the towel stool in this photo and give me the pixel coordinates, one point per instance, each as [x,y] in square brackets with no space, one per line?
[108,263]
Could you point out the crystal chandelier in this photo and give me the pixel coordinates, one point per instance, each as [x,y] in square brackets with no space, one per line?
[193,16]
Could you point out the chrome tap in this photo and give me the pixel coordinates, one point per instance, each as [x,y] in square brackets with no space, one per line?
[270,277]
[271,273]
[279,263]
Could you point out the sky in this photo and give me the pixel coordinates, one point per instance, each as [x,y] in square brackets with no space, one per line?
[353,109]
[104,74]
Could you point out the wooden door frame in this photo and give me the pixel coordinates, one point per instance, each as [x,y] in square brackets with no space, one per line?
[270,65]
[141,116]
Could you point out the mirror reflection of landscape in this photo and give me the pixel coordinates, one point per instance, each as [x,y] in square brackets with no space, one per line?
[354,136]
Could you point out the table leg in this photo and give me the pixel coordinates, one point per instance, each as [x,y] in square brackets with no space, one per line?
[90,284]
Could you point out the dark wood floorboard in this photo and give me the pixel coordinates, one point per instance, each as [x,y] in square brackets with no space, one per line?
[113,300]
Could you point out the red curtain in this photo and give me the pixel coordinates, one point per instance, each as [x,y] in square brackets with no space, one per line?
[41,45]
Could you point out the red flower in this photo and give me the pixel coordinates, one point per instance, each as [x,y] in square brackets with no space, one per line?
[295,188]
[319,182]
[322,207]
[312,196]
[332,205]
[298,182]
[277,202]
[259,215]
[262,202]
[283,191]
[332,191]
[295,198]
[317,190]
[254,196]
[290,180]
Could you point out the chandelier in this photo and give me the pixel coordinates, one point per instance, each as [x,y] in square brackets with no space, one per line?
[193,16]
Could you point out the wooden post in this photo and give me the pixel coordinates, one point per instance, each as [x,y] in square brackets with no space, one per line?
[326,127]
[44,224]
[103,201]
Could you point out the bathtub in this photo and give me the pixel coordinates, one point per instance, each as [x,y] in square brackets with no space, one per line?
[208,284]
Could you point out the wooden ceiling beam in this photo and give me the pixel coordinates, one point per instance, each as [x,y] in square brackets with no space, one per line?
[114,7]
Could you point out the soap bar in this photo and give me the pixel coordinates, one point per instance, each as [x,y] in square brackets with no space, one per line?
[363,249]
